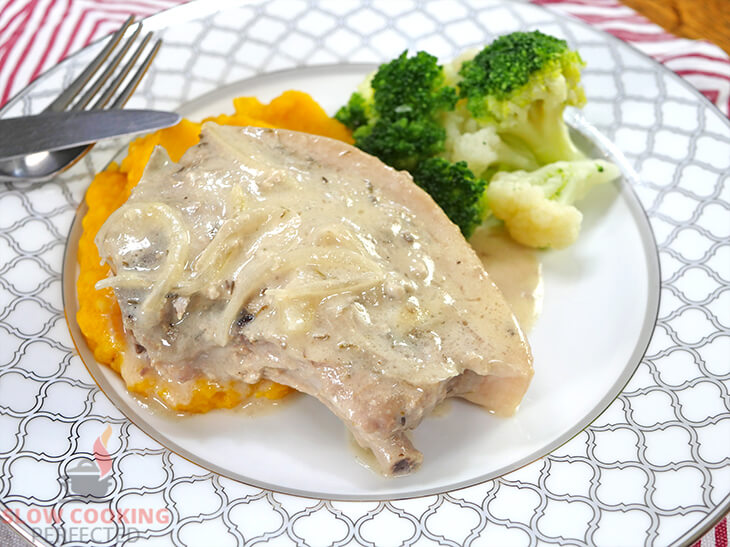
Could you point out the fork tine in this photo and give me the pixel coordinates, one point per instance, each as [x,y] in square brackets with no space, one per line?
[119,78]
[132,85]
[104,76]
[64,99]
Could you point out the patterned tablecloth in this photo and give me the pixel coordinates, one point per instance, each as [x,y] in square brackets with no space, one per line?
[37,34]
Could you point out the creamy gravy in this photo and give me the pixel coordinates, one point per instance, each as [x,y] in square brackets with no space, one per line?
[304,261]
[252,407]
[514,268]
[135,370]
[331,268]
[363,456]
[442,409]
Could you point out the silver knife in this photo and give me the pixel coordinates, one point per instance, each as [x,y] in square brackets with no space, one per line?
[57,130]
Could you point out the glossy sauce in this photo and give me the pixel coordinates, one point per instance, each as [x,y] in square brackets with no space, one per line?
[515,269]
[331,266]
[442,409]
[363,456]
[135,371]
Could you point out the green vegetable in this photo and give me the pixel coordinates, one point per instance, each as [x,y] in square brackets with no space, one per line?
[521,83]
[398,120]
[455,188]
[355,113]
[506,128]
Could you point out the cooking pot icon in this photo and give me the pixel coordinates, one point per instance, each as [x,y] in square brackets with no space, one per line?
[83,479]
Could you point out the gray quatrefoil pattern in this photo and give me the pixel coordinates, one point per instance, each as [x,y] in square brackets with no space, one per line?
[665,440]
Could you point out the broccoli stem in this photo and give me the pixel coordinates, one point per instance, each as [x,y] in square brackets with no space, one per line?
[513,154]
[545,133]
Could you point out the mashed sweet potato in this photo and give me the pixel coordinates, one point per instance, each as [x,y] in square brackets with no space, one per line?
[99,316]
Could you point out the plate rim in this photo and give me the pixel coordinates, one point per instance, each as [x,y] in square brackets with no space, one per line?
[625,191]
[722,509]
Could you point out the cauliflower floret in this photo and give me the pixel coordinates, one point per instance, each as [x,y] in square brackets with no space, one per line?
[530,218]
[452,68]
[536,207]
[478,150]
[480,146]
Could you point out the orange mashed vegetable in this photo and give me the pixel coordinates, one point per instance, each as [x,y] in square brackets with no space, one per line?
[99,316]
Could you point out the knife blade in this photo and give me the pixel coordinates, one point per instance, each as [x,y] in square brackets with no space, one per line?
[56,130]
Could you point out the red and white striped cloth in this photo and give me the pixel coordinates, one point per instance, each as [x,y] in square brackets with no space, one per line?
[37,34]
[716,537]
[702,64]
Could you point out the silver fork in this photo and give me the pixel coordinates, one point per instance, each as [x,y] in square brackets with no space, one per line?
[44,165]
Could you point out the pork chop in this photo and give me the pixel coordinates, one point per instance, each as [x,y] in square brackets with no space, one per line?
[300,259]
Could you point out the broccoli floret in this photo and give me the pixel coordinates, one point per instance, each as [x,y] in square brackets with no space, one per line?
[536,207]
[521,83]
[509,117]
[399,122]
[455,188]
[355,113]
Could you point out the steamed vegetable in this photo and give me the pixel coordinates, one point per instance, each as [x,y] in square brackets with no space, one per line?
[537,207]
[455,188]
[394,114]
[520,84]
[490,121]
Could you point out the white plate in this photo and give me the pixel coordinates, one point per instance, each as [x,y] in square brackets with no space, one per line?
[594,328]
[654,467]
